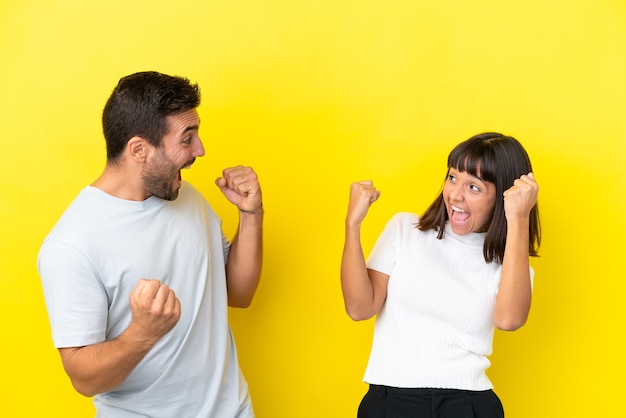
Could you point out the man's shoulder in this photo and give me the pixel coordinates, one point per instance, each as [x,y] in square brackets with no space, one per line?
[74,219]
[189,194]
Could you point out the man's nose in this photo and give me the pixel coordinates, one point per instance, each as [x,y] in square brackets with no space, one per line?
[198,150]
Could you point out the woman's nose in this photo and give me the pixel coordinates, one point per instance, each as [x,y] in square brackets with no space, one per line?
[456,193]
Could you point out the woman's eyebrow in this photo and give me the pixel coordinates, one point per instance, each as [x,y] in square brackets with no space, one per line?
[479,178]
[476,176]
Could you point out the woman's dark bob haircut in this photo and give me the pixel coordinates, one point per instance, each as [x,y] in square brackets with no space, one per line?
[501,160]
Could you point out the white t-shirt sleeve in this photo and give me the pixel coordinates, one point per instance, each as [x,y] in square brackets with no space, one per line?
[383,255]
[77,302]
[225,246]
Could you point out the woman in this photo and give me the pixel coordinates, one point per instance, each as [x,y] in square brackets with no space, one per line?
[441,283]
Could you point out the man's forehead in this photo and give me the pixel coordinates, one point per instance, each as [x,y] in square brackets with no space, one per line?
[183,122]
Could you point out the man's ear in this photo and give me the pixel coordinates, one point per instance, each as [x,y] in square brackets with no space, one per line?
[137,148]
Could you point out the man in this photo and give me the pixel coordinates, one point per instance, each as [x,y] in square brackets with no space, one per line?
[137,274]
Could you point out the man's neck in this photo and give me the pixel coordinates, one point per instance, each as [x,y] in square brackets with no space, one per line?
[122,183]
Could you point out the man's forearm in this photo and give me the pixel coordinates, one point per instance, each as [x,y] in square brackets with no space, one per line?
[243,269]
[101,367]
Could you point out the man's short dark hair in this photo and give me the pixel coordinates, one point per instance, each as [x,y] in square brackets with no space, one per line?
[139,106]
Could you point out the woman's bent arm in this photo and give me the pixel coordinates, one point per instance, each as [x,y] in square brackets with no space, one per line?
[364,291]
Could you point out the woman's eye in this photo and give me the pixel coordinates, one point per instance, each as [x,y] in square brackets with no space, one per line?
[451,177]
[474,188]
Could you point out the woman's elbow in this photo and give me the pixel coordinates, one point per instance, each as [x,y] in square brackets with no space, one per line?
[242,299]
[510,324]
[242,303]
[358,314]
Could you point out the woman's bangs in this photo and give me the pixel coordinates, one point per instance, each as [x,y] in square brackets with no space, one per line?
[472,159]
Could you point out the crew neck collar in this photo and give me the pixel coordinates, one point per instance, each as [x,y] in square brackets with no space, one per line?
[137,204]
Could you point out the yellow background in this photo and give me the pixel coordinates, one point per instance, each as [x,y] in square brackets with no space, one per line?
[315,95]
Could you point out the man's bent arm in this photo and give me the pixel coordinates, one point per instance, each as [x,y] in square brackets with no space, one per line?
[101,367]
[243,268]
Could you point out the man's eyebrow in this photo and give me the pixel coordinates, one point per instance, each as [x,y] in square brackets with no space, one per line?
[191,128]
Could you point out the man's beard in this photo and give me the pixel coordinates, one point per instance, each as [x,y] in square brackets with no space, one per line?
[159,175]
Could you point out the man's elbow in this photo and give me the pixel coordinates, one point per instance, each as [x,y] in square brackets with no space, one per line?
[84,388]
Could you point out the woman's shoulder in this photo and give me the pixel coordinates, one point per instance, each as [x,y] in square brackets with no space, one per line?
[405,217]
[404,220]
